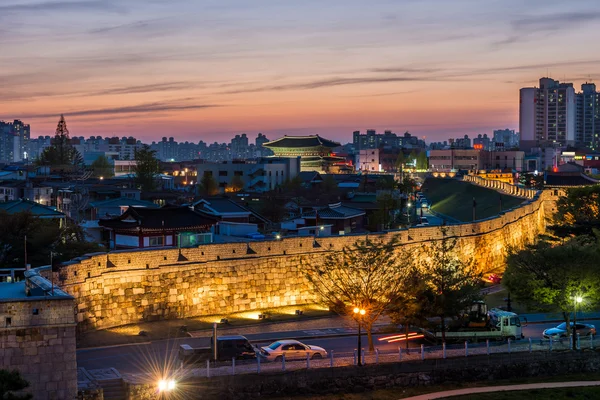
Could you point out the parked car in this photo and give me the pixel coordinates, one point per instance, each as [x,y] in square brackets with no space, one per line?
[560,331]
[293,350]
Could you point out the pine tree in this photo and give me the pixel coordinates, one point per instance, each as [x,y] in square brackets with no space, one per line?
[146,169]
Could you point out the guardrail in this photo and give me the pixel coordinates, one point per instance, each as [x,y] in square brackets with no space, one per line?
[423,358]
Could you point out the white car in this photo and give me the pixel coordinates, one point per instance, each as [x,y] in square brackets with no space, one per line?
[293,350]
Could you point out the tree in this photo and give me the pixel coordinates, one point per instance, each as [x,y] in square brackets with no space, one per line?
[369,274]
[43,236]
[237,183]
[412,158]
[61,152]
[452,281]
[208,186]
[146,169]
[531,180]
[10,382]
[422,162]
[411,308]
[400,161]
[387,205]
[102,167]
[548,277]
[578,213]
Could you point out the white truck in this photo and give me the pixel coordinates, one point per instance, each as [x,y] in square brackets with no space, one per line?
[500,325]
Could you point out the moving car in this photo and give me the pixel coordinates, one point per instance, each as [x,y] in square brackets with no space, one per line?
[293,350]
[560,331]
[228,347]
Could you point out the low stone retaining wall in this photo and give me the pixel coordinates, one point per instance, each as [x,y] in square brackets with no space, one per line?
[359,379]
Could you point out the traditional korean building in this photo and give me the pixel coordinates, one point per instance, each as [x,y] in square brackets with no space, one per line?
[141,227]
[314,151]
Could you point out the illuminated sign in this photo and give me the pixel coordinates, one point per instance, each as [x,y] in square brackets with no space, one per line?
[478,146]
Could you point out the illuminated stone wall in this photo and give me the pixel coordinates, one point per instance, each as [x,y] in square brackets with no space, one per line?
[130,286]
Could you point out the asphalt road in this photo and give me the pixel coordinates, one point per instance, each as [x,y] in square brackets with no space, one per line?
[156,355]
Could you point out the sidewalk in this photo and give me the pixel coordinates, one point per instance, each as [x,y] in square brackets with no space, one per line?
[557,317]
[507,388]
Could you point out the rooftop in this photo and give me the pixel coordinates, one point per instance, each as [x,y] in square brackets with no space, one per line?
[165,218]
[219,206]
[9,290]
[301,141]
[39,210]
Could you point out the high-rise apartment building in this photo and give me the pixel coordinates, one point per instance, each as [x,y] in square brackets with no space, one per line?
[14,141]
[547,114]
[587,126]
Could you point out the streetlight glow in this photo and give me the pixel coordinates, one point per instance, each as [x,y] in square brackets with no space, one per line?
[578,299]
[356,310]
[166,385]
[362,312]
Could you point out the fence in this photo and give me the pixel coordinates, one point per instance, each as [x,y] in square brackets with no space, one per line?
[420,359]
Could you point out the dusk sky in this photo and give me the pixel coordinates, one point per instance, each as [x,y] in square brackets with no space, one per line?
[206,70]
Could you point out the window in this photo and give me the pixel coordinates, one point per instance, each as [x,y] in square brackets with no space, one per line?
[156,241]
[222,173]
[8,322]
[288,347]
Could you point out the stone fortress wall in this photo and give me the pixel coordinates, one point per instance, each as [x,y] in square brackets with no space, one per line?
[124,287]
[37,337]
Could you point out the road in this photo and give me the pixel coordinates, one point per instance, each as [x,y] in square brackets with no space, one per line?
[156,355]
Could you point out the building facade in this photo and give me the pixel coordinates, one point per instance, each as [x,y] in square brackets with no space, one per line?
[14,141]
[588,117]
[547,114]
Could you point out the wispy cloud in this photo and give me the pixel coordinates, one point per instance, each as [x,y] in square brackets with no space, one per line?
[137,109]
[156,87]
[63,6]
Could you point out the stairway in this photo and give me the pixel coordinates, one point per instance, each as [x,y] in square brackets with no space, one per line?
[113,389]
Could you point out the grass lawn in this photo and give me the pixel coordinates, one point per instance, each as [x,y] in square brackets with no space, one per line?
[400,393]
[455,199]
[169,329]
[582,393]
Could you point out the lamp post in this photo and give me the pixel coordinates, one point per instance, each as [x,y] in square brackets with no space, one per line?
[576,300]
[408,212]
[358,314]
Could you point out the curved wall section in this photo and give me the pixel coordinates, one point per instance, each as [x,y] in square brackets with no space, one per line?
[126,287]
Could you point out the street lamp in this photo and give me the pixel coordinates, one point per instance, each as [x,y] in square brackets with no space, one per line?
[358,314]
[408,212]
[166,385]
[577,300]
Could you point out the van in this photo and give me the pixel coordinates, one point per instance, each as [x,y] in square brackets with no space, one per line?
[228,347]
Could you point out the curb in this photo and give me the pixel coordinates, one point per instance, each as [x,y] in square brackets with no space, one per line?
[83,349]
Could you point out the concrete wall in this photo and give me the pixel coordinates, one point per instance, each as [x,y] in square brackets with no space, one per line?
[41,346]
[131,286]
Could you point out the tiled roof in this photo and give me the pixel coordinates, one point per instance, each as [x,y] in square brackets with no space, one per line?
[123,201]
[309,176]
[301,141]
[334,212]
[167,218]
[39,210]
[220,205]
[568,179]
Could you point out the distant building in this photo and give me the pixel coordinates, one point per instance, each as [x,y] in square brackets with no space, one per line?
[315,152]
[587,126]
[482,142]
[506,138]
[387,140]
[547,114]
[260,176]
[475,160]
[14,141]
[368,160]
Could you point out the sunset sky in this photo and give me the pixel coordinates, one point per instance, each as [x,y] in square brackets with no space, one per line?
[208,69]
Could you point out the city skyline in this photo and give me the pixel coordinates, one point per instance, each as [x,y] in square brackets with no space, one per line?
[200,71]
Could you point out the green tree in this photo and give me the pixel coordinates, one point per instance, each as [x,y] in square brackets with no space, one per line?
[400,161]
[363,275]
[43,236]
[11,382]
[61,152]
[578,213]
[549,276]
[387,207]
[453,282]
[237,183]
[422,162]
[412,158]
[146,169]
[102,167]
[208,186]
